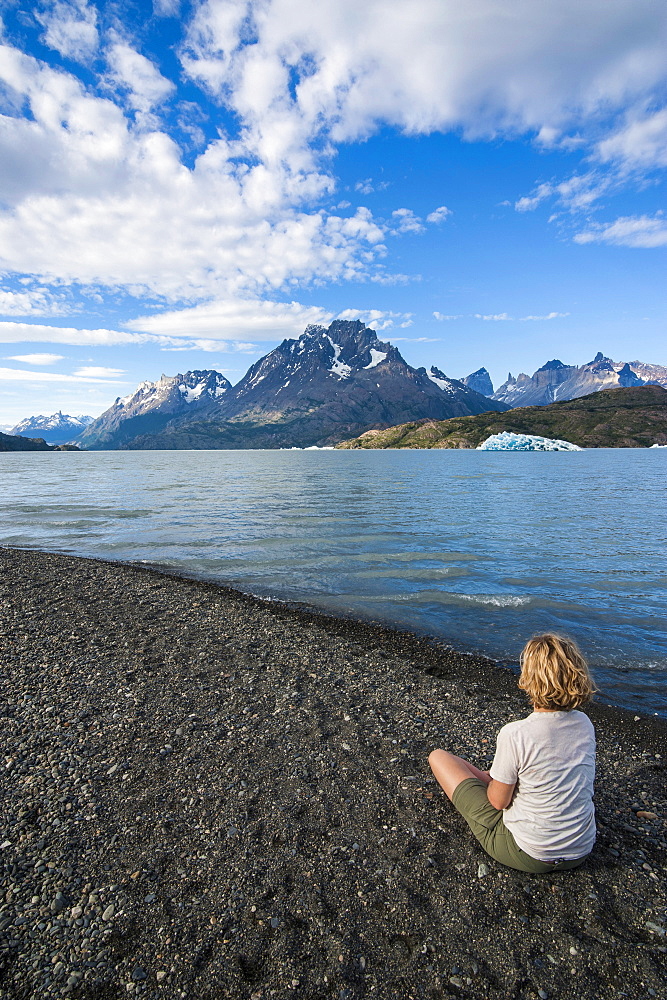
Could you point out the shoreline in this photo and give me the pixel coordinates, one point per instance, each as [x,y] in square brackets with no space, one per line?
[215,793]
[425,642]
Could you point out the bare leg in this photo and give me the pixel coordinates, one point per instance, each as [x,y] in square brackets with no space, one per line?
[450,771]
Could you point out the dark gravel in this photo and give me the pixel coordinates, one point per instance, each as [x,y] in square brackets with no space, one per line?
[206,795]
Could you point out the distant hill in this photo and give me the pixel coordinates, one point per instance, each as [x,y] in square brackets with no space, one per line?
[324,386]
[12,442]
[59,428]
[613,418]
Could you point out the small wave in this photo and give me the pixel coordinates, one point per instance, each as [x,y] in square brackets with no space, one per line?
[498,600]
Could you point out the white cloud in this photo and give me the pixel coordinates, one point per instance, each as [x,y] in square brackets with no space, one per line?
[439,214]
[640,231]
[34,302]
[639,144]
[378,319]
[227,319]
[494,317]
[20,375]
[70,29]
[166,8]
[407,221]
[98,372]
[97,197]
[530,202]
[486,67]
[136,74]
[415,340]
[17,333]
[551,315]
[36,359]
[443,316]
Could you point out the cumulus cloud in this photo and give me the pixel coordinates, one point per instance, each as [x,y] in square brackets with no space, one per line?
[36,359]
[639,144]
[641,231]
[407,221]
[97,192]
[138,76]
[494,317]
[70,29]
[33,302]
[439,215]
[485,67]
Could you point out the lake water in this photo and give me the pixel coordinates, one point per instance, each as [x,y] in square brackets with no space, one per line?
[480,549]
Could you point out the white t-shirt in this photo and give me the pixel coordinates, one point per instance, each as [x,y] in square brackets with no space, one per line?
[551,758]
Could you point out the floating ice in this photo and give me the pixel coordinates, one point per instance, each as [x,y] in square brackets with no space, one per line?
[506,441]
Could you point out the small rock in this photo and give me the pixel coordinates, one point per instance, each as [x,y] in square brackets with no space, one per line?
[642,814]
[160,975]
[274,922]
[138,973]
[482,870]
[456,981]
[150,898]
[542,994]
[109,912]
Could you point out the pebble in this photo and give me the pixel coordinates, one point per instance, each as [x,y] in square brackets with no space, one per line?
[324,843]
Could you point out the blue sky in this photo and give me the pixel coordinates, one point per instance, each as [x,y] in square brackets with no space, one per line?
[182,185]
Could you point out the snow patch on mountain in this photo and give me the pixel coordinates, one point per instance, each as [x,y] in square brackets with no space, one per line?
[377,357]
[338,367]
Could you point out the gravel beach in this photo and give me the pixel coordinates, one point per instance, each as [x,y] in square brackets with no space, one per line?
[207,795]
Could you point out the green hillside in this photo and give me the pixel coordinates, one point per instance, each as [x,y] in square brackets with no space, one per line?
[613,418]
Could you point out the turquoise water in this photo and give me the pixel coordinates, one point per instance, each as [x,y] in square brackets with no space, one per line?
[480,549]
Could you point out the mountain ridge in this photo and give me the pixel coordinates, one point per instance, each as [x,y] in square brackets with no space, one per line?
[314,390]
[555,381]
[58,428]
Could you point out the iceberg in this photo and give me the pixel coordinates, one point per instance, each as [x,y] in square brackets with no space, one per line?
[506,441]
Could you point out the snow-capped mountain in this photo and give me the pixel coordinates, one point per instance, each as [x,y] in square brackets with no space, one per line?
[330,384]
[555,381]
[149,409]
[59,428]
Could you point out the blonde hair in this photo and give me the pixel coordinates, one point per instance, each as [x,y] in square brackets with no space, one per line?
[554,674]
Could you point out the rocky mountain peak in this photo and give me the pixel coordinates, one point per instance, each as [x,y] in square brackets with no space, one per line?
[627,378]
[552,366]
[480,381]
[55,429]
[600,363]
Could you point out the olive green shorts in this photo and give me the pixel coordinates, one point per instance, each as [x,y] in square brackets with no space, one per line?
[487,824]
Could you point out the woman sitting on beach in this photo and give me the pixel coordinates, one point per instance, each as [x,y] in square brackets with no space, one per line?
[533,810]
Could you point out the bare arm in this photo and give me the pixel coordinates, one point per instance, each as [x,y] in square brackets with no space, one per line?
[499,794]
